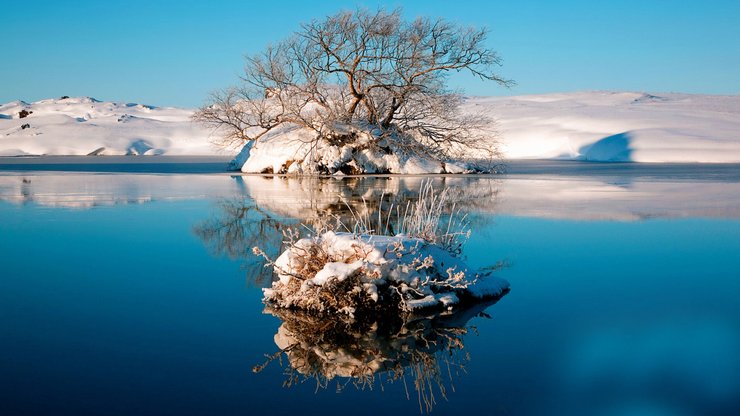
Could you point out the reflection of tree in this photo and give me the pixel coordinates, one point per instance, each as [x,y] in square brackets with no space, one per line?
[424,350]
[240,226]
[276,203]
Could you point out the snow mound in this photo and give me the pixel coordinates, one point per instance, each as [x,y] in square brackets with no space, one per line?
[346,273]
[86,126]
[617,126]
[295,150]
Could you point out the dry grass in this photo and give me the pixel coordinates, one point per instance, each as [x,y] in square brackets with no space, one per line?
[433,217]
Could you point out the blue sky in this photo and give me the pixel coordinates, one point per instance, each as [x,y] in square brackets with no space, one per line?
[175,52]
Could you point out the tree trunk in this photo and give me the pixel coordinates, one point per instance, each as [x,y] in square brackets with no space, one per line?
[353,106]
[395,105]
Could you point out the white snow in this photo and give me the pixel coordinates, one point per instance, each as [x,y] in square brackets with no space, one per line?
[83,125]
[425,302]
[424,274]
[599,126]
[296,150]
[593,126]
[419,165]
[336,270]
[617,126]
[487,287]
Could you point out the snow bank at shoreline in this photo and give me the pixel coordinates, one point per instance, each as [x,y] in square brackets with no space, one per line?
[596,126]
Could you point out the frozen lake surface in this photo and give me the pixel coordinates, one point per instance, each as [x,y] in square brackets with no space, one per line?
[136,293]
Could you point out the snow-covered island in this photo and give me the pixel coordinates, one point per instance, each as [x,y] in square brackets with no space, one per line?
[350,273]
[401,264]
[592,126]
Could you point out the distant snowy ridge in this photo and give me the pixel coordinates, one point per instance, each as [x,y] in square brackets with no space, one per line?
[598,126]
[86,126]
[617,126]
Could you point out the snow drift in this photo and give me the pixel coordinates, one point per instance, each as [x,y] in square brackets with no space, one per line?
[617,126]
[86,126]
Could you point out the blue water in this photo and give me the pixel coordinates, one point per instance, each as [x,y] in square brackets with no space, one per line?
[124,309]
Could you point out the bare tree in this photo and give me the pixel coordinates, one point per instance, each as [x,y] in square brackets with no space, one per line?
[371,70]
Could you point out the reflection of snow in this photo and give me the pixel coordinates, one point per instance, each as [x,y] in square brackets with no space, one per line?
[306,199]
[584,198]
[428,350]
[83,191]
[311,198]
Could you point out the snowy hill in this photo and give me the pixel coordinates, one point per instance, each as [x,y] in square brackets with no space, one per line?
[84,125]
[599,126]
[617,126]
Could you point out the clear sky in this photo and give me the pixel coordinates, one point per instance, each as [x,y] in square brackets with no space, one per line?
[175,52]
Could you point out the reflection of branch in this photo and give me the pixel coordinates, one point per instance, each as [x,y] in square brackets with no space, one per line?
[239,226]
[428,350]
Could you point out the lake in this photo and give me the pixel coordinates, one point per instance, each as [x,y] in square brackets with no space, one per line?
[137,293]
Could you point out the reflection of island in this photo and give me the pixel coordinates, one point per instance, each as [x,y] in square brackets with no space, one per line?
[623,196]
[422,353]
[277,203]
[313,199]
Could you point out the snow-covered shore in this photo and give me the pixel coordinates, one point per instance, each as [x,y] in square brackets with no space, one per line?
[596,126]
[617,126]
[86,126]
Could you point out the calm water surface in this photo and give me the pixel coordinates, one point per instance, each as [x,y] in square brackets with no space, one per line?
[137,294]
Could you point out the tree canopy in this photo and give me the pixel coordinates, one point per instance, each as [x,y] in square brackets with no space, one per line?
[373,70]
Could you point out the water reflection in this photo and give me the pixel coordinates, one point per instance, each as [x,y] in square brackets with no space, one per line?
[270,205]
[313,200]
[420,354]
[87,191]
[626,198]
[239,225]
